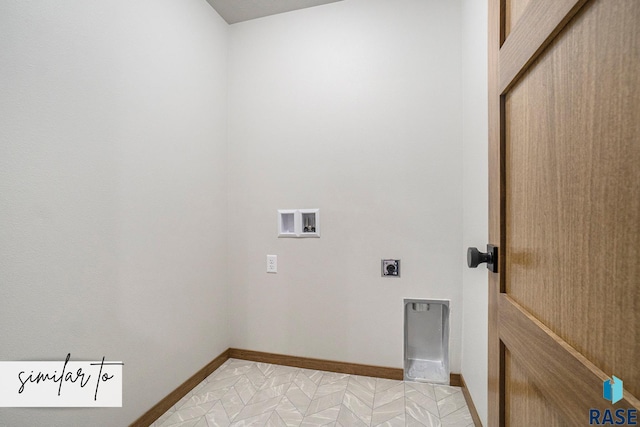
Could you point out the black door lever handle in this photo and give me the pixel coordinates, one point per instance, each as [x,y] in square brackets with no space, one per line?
[475,258]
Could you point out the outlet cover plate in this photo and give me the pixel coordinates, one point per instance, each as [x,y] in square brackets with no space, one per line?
[272,263]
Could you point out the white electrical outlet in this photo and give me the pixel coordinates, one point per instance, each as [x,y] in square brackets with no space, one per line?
[272,263]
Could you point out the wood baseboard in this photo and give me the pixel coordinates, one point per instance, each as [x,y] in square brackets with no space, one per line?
[172,398]
[455,380]
[328,365]
[470,405]
[317,364]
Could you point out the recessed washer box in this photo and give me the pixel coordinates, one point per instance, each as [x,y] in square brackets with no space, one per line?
[299,223]
[426,340]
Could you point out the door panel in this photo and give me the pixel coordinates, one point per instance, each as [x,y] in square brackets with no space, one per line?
[564,162]
[572,230]
[539,23]
[525,405]
[513,12]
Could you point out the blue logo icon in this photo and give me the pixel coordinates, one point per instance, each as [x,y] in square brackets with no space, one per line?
[612,389]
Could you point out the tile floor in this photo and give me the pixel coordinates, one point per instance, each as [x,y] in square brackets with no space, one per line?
[244,393]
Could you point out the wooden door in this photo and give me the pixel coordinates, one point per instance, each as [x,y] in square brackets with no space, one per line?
[564,197]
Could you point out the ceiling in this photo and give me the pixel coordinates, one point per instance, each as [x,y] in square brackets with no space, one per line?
[234,11]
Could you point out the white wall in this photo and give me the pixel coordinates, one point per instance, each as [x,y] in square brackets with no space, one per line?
[475,196]
[353,108]
[113,193]
[113,185]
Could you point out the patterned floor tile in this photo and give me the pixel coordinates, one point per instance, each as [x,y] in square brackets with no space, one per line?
[266,368]
[398,421]
[275,380]
[244,393]
[203,396]
[363,393]
[256,376]
[332,377]
[442,391]
[232,403]
[412,422]
[289,413]
[328,416]
[315,376]
[420,415]
[257,421]
[218,383]
[180,403]
[451,404]
[197,422]
[306,384]
[383,384]
[357,406]
[424,388]
[389,395]
[409,421]
[245,389]
[420,403]
[367,383]
[255,409]
[459,418]
[188,414]
[233,371]
[388,411]
[348,419]
[218,417]
[266,393]
[275,420]
[298,398]
[325,402]
[331,388]
[283,370]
